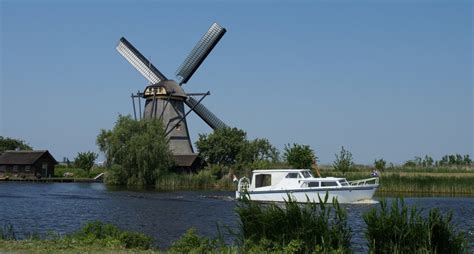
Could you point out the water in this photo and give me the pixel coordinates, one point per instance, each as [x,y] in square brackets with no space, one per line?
[65,207]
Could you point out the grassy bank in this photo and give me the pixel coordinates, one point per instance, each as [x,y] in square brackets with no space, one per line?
[204,179]
[454,183]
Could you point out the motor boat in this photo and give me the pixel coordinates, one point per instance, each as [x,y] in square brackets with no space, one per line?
[277,185]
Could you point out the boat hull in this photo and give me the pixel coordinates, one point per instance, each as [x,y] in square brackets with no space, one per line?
[343,195]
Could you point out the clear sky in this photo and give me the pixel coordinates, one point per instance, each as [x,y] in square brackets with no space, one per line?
[388,80]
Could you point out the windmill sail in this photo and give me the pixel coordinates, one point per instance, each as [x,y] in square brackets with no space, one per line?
[205,114]
[199,53]
[134,57]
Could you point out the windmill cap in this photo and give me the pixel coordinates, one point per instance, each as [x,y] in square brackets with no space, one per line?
[165,87]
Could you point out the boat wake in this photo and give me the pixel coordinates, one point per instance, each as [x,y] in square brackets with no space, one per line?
[366,201]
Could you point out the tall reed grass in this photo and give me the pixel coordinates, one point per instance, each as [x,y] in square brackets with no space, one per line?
[204,179]
[301,228]
[401,229]
[415,183]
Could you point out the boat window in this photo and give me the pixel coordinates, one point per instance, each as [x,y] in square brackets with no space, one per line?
[313,184]
[343,183]
[293,175]
[328,184]
[306,174]
[263,180]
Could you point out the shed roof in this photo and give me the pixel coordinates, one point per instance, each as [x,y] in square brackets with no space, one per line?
[23,157]
[185,160]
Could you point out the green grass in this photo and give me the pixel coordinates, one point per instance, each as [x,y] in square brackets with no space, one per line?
[204,179]
[418,182]
[78,172]
[401,229]
[301,228]
[94,237]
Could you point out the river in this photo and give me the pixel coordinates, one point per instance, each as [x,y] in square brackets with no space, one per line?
[65,207]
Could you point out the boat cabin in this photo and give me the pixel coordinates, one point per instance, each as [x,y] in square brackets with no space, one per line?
[292,179]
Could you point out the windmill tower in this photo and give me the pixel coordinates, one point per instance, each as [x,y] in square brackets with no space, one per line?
[165,98]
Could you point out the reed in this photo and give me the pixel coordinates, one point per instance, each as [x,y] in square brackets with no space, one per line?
[301,228]
[425,184]
[401,229]
[418,182]
[204,179]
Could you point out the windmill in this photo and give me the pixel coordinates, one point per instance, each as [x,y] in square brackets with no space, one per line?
[165,98]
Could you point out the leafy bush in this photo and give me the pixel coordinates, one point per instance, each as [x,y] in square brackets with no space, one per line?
[404,230]
[99,231]
[380,164]
[85,160]
[299,156]
[343,161]
[77,172]
[302,228]
[190,242]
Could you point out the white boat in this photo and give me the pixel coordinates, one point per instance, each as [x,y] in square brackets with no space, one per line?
[301,185]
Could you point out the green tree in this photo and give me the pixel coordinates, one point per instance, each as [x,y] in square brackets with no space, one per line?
[380,164]
[222,146]
[467,160]
[257,150]
[85,160]
[410,164]
[428,161]
[136,151]
[343,161]
[13,144]
[444,161]
[299,156]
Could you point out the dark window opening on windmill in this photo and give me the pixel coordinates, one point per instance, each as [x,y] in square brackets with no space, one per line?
[178,127]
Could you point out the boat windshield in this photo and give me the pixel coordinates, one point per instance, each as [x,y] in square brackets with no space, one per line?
[306,174]
[343,182]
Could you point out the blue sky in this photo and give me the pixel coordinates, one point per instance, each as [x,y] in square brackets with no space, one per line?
[386,80]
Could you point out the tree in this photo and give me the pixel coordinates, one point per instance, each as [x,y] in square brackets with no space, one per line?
[85,160]
[380,164]
[257,150]
[222,146]
[137,152]
[13,144]
[299,156]
[343,161]
[419,161]
[467,160]
[410,164]
[428,161]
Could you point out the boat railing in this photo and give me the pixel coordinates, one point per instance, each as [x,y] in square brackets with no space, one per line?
[244,184]
[368,181]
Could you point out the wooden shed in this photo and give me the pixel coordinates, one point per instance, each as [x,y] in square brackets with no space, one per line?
[36,163]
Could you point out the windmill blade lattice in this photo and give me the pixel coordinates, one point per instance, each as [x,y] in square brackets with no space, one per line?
[199,53]
[134,57]
[205,114]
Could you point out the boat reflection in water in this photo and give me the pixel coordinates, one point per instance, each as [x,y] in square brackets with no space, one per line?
[301,185]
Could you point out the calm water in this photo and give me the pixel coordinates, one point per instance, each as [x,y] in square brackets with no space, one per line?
[64,207]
